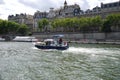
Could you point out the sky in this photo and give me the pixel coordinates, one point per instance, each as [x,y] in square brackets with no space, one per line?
[12,7]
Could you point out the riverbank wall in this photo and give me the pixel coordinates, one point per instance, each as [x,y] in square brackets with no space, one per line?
[105,38]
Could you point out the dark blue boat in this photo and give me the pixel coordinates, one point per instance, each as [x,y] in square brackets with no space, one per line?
[55,43]
[52,47]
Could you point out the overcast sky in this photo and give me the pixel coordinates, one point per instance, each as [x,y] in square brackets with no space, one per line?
[12,7]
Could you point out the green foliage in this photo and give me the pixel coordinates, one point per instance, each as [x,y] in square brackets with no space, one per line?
[8,27]
[68,24]
[106,27]
[111,23]
[84,24]
[114,21]
[12,27]
[42,23]
[94,24]
[23,29]
[3,25]
[78,24]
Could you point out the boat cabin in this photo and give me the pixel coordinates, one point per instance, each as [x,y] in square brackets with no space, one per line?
[54,43]
[49,42]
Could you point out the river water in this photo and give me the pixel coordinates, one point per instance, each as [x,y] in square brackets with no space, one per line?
[22,61]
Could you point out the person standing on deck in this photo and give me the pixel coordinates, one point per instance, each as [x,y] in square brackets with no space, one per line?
[60,41]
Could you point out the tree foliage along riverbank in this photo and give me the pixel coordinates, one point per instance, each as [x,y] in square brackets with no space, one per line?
[8,27]
[93,24]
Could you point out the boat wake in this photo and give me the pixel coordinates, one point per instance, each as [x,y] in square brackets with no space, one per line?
[46,50]
[35,48]
[79,50]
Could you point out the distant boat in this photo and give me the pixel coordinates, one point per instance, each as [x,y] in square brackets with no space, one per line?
[53,43]
[25,39]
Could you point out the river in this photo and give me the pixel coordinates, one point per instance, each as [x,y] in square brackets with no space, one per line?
[22,61]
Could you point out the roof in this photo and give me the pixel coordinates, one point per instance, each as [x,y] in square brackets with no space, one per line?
[48,40]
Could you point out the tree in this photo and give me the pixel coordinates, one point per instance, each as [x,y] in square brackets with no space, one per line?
[12,27]
[111,23]
[3,27]
[106,26]
[23,29]
[96,24]
[8,27]
[42,24]
[114,21]
[83,24]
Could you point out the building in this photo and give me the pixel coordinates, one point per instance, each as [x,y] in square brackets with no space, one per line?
[63,12]
[22,19]
[38,16]
[104,10]
[75,11]
[51,13]
[66,11]
[110,8]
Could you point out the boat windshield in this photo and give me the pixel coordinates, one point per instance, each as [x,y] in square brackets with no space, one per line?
[58,36]
[46,40]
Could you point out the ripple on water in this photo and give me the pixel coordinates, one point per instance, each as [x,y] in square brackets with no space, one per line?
[21,61]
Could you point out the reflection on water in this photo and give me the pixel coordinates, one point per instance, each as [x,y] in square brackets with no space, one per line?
[22,61]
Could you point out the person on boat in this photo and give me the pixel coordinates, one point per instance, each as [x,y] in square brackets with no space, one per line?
[48,43]
[60,41]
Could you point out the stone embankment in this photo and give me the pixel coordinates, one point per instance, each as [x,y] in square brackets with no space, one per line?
[96,42]
[91,38]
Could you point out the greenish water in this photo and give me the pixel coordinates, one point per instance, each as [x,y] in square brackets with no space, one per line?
[22,61]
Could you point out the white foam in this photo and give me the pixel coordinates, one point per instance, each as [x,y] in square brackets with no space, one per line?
[79,50]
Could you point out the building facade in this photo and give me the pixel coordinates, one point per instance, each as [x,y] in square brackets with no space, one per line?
[64,12]
[104,10]
[36,17]
[68,11]
[22,19]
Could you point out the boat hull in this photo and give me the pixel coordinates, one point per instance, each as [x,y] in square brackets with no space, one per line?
[52,47]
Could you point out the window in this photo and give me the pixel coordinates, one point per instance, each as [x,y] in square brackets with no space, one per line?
[105,6]
[115,4]
[110,5]
[66,13]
